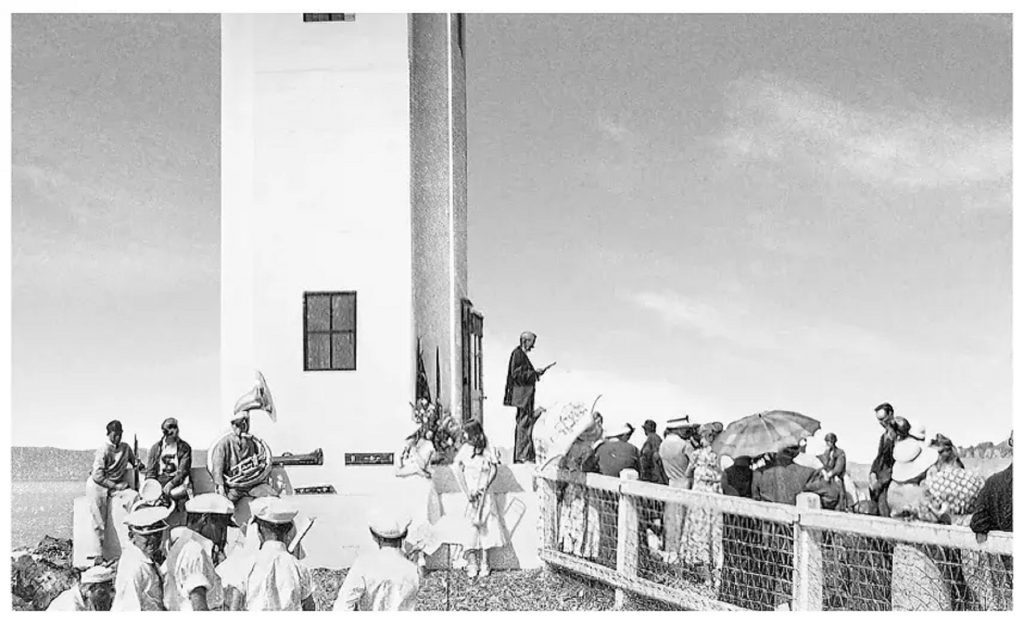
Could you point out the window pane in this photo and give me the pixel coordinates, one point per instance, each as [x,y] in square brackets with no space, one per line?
[318,352]
[343,311]
[344,348]
[318,312]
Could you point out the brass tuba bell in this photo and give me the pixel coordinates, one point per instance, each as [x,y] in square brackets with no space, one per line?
[258,398]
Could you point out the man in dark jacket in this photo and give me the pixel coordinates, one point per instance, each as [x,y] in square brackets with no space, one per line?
[614,454]
[782,480]
[881,468]
[170,462]
[651,469]
[520,388]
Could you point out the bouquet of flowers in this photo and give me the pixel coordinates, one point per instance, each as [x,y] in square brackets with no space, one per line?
[437,425]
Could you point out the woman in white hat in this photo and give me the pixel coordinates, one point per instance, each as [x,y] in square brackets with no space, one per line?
[94,591]
[579,517]
[701,545]
[918,579]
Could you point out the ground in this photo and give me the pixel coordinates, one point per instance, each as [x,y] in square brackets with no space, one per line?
[518,590]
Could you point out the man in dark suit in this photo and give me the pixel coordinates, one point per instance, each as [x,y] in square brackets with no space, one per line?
[881,468]
[520,388]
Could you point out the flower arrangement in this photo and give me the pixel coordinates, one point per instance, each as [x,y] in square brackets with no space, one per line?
[437,425]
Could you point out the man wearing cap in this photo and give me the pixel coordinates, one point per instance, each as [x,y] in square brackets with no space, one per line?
[170,462]
[194,550]
[110,469]
[675,452]
[382,580]
[94,591]
[651,469]
[274,580]
[232,451]
[138,586]
[520,388]
[881,467]
[614,453]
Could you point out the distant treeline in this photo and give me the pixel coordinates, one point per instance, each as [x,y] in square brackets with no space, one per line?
[987,450]
[33,463]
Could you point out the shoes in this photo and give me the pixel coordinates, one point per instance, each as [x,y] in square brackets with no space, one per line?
[485,571]
[472,572]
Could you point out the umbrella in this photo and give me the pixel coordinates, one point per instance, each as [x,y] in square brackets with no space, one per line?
[766,432]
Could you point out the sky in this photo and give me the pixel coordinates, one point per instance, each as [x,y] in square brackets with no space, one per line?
[706,215]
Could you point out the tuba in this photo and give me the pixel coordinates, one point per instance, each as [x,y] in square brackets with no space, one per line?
[256,468]
[258,398]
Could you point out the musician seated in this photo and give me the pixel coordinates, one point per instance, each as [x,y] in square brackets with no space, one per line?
[237,462]
[170,463]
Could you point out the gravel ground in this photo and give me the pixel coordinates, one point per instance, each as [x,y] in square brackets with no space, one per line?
[518,590]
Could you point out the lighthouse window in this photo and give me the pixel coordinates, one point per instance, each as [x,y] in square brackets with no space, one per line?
[329,328]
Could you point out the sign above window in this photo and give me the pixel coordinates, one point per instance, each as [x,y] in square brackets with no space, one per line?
[328,17]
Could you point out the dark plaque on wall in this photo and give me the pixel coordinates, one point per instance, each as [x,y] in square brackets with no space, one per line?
[369,459]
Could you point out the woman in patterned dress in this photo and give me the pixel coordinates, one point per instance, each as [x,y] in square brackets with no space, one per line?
[701,543]
[579,518]
[476,467]
[952,493]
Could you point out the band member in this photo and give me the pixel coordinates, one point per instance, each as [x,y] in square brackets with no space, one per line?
[109,478]
[239,462]
[138,586]
[520,388]
[273,580]
[170,462]
[194,550]
[382,580]
[94,591]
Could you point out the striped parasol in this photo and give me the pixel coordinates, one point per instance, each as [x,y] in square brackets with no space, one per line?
[766,432]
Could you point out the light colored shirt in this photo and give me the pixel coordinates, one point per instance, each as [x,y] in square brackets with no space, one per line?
[277,581]
[227,453]
[675,458]
[110,464]
[189,567]
[380,581]
[69,600]
[138,586]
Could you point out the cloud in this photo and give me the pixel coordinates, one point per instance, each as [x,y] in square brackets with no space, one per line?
[758,328]
[925,147]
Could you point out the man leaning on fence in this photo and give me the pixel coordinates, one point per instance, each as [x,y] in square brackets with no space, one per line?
[881,467]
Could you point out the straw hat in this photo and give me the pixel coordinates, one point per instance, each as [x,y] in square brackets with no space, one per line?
[148,520]
[912,458]
[97,574]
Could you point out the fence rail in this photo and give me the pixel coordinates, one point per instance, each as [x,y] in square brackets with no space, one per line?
[702,551]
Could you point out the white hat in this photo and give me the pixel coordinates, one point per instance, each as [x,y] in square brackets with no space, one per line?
[912,458]
[918,431]
[151,491]
[273,510]
[147,520]
[210,503]
[387,523]
[97,574]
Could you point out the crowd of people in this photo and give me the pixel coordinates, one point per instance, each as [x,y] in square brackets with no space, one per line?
[913,478]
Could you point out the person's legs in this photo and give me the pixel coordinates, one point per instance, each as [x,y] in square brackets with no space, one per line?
[472,567]
[99,501]
[524,451]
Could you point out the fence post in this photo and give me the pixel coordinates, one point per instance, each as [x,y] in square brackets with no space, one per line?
[628,546]
[548,512]
[807,561]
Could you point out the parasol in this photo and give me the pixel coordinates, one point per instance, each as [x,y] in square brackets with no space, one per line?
[765,432]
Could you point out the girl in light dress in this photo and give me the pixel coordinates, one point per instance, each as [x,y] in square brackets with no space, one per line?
[701,545]
[476,467]
[415,488]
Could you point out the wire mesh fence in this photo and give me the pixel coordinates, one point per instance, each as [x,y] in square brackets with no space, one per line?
[671,549]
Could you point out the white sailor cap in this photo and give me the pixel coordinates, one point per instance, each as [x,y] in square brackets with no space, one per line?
[273,510]
[148,520]
[210,503]
[388,523]
[97,574]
